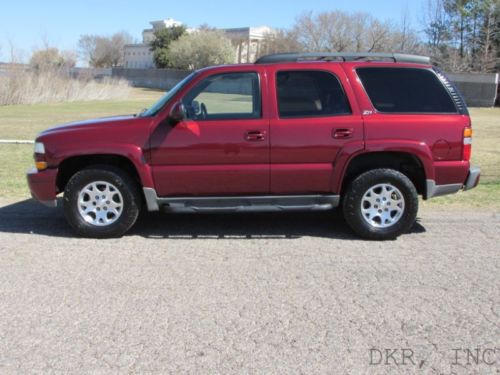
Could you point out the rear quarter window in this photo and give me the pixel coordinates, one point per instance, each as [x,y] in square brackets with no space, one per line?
[406,90]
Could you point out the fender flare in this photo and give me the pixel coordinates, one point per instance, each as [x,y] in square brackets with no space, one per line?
[129,151]
[347,154]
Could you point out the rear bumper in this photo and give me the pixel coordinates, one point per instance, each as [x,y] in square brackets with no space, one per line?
[42,186]
[471,182]
[472,178]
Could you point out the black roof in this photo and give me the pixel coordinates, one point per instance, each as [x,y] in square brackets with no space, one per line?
[350,56]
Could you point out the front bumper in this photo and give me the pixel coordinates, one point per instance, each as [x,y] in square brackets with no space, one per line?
[471,182]
[42,186]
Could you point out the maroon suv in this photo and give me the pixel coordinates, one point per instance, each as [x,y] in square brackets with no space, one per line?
[369,132]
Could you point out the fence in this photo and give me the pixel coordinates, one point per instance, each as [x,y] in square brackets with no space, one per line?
[163,79]
[95,73]
[479,90]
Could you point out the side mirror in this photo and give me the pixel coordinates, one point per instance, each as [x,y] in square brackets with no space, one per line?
[177,113]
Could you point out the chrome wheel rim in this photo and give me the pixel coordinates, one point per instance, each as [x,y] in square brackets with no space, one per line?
[382,205]
[100,203]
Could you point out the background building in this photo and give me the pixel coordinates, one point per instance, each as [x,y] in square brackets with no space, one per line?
[246,41]
[139,56]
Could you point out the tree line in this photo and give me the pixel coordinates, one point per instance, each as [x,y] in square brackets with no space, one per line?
[459,35]
[463,35]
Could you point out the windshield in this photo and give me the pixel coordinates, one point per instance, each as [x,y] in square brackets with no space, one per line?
[155,108]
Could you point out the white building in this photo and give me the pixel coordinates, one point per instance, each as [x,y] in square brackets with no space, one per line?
[246,41]
[140,56]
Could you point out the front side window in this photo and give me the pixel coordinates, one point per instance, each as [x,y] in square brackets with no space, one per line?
[405,90]
[225,96]
[167,96]
[314,93]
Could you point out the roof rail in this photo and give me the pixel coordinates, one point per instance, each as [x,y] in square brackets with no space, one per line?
[350,56]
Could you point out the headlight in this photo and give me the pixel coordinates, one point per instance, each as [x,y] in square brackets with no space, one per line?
[39,148]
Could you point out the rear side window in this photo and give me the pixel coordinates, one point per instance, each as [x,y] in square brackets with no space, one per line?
[304,93]
[406,90]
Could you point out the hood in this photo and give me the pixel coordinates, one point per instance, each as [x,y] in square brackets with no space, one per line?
[103,121]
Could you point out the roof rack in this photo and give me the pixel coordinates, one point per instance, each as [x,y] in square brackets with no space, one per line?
[352,56]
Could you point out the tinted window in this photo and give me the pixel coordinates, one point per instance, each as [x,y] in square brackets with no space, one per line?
[310,93]
[405,90]
[224,96]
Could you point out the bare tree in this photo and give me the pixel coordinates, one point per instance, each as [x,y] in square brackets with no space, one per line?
[308,33]
[378,36]
[403,38]
[103,52]
[339,31]
[15,55]
[50,58]
[280,41]
[118,42]
[335,26]
[359,24]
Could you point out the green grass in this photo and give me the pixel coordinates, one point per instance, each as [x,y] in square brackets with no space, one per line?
[25,121]
[486,195]
[15,161]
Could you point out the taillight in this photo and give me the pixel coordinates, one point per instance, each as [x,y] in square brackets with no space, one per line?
[467,149]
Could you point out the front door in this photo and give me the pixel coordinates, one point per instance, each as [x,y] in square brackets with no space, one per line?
[222,147]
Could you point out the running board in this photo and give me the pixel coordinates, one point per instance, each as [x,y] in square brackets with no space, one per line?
[270,203]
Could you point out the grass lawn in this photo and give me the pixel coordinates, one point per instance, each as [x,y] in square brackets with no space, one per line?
[25,121]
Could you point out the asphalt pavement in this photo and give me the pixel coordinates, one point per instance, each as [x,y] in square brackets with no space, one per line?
[251,293]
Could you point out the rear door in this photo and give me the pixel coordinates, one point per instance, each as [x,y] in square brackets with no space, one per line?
[313,116]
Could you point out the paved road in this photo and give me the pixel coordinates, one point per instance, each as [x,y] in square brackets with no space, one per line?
[260,293]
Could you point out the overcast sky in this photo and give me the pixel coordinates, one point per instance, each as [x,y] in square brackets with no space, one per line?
[26,23]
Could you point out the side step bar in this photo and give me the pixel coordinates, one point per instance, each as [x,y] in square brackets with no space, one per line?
[240,203]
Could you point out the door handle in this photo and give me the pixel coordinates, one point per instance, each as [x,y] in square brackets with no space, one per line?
[255,135]
[342,133]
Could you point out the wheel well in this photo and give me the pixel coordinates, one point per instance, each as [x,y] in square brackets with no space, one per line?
[408,164]
[74,164]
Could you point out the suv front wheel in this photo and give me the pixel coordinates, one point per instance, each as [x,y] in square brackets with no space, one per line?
[101,202]
[380,204]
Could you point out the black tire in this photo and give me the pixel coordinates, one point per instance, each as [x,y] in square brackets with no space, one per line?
[352,204]
[128,189]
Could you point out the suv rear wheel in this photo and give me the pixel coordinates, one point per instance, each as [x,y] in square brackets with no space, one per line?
[380,204]
[101,201]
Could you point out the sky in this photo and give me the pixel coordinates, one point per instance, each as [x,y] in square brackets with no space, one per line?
[28,24]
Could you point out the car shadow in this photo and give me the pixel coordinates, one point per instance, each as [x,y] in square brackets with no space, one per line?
[30,217]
